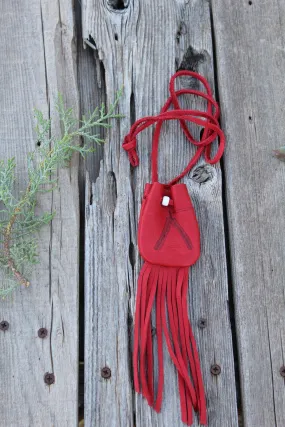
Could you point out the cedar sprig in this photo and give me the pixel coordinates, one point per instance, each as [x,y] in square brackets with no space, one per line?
[18,219]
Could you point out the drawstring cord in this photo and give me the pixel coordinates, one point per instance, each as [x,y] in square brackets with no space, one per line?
[206,119]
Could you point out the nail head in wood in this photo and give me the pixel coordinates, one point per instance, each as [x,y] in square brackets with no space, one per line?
[4,325]
[106,373]
[202,323]
[49,378]
[282,371]
[215,369]
[42,333]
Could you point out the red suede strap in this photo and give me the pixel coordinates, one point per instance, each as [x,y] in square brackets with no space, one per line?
[206,119]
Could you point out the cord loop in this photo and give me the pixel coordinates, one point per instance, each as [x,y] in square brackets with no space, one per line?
[207,119]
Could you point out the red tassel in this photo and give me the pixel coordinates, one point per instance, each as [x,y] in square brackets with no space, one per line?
[167,287]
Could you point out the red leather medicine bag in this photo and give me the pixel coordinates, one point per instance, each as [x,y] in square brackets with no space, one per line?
[169,243]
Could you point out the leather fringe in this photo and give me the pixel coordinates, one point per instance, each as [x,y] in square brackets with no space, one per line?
[166,289]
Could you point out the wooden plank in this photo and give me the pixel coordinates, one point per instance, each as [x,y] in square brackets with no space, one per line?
[251,61]
[141,44]
[37,61]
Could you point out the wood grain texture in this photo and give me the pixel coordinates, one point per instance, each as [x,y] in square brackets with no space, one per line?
[141,44]
[37,61]
[251,63]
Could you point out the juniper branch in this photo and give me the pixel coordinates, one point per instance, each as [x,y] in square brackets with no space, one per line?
[20,221]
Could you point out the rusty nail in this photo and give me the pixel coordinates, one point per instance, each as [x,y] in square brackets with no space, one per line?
[106,372]
[215,369]
[282,371]
[42,333]
[49,378]
[202,323]
[4,325]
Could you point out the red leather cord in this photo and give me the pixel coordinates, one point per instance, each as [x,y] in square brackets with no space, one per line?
[206,119]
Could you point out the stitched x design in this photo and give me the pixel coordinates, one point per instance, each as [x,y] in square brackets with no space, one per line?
[172,222]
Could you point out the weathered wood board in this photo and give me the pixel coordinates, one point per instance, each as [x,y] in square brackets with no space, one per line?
[141,44]
[37,61]
[251,62]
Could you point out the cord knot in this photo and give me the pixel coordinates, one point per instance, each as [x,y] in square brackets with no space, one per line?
[130,145]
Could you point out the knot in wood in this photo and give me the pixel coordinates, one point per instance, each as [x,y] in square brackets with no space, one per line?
[118,4]
[202,174]
[282,371]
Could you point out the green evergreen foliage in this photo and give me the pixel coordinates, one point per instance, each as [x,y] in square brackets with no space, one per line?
[18,220]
